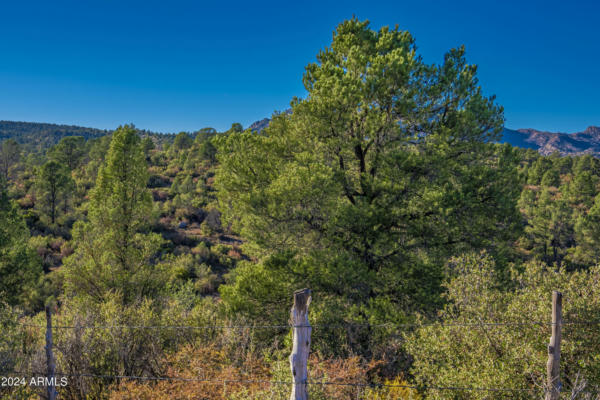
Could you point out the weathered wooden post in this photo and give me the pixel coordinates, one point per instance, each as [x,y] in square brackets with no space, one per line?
[553,366]
[50,365]
[301,331]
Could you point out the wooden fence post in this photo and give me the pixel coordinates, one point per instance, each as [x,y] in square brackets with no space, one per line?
[553,384]
[50,365]
[301,347]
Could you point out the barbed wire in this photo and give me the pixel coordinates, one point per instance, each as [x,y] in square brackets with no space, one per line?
[161,326]
[337,325]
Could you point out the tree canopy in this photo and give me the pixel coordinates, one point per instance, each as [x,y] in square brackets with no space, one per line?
[54,182]
[69,151]
[384,169]
[9,155]
[20,268]
[113,251]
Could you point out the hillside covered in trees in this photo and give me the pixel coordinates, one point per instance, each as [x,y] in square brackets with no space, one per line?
[40,136]
[385,191]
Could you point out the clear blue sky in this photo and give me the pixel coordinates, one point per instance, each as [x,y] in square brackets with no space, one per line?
[175,65]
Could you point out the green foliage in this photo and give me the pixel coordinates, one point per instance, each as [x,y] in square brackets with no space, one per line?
[182,141]
[206,229]
[54,181]
[148,145]
[379,174]
[208,151]
[205,133]
[551,178]
[236,127]
[559,216]
[549,228]
[265,284]
[10,153]
[113,254]
[586,163]
[20,268]
[587,234]
[183,184]
[11,348]
[189,268]
[122,350]
[37,137]
[362,191]
[564,164]
[510,356]
[69,151]
[538,169]
[582,190]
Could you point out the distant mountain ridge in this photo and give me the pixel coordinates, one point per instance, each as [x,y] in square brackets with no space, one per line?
[258,126]
[546,143]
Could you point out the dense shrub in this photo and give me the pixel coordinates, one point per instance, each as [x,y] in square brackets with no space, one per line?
[509,356]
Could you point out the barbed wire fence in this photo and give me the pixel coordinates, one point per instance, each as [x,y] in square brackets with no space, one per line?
[300,382]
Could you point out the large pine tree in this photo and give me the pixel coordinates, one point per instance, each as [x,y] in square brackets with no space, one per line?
[114,253]
[384,170]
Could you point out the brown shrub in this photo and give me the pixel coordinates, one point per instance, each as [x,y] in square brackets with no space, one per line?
[214,375]
[235,253]
[205,363]
[160,195]
[66,250]
[26,202]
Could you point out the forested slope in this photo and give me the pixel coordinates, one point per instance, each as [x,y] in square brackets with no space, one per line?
[40,136]
[431,249]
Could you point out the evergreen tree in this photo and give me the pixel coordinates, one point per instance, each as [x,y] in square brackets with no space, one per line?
[379,174]
[20,268]
[208,151]
[538,169]
[550,229]
[582,189]
[10,153]
[182,141]
[148,146]
[53,183]
[69,151]
[114,255]
[551,178]
[587,234]
[527,202]
[205,134]
[586,163]
[236,127]
[564,165]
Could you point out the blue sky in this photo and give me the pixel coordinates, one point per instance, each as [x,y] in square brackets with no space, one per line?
[175,65]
